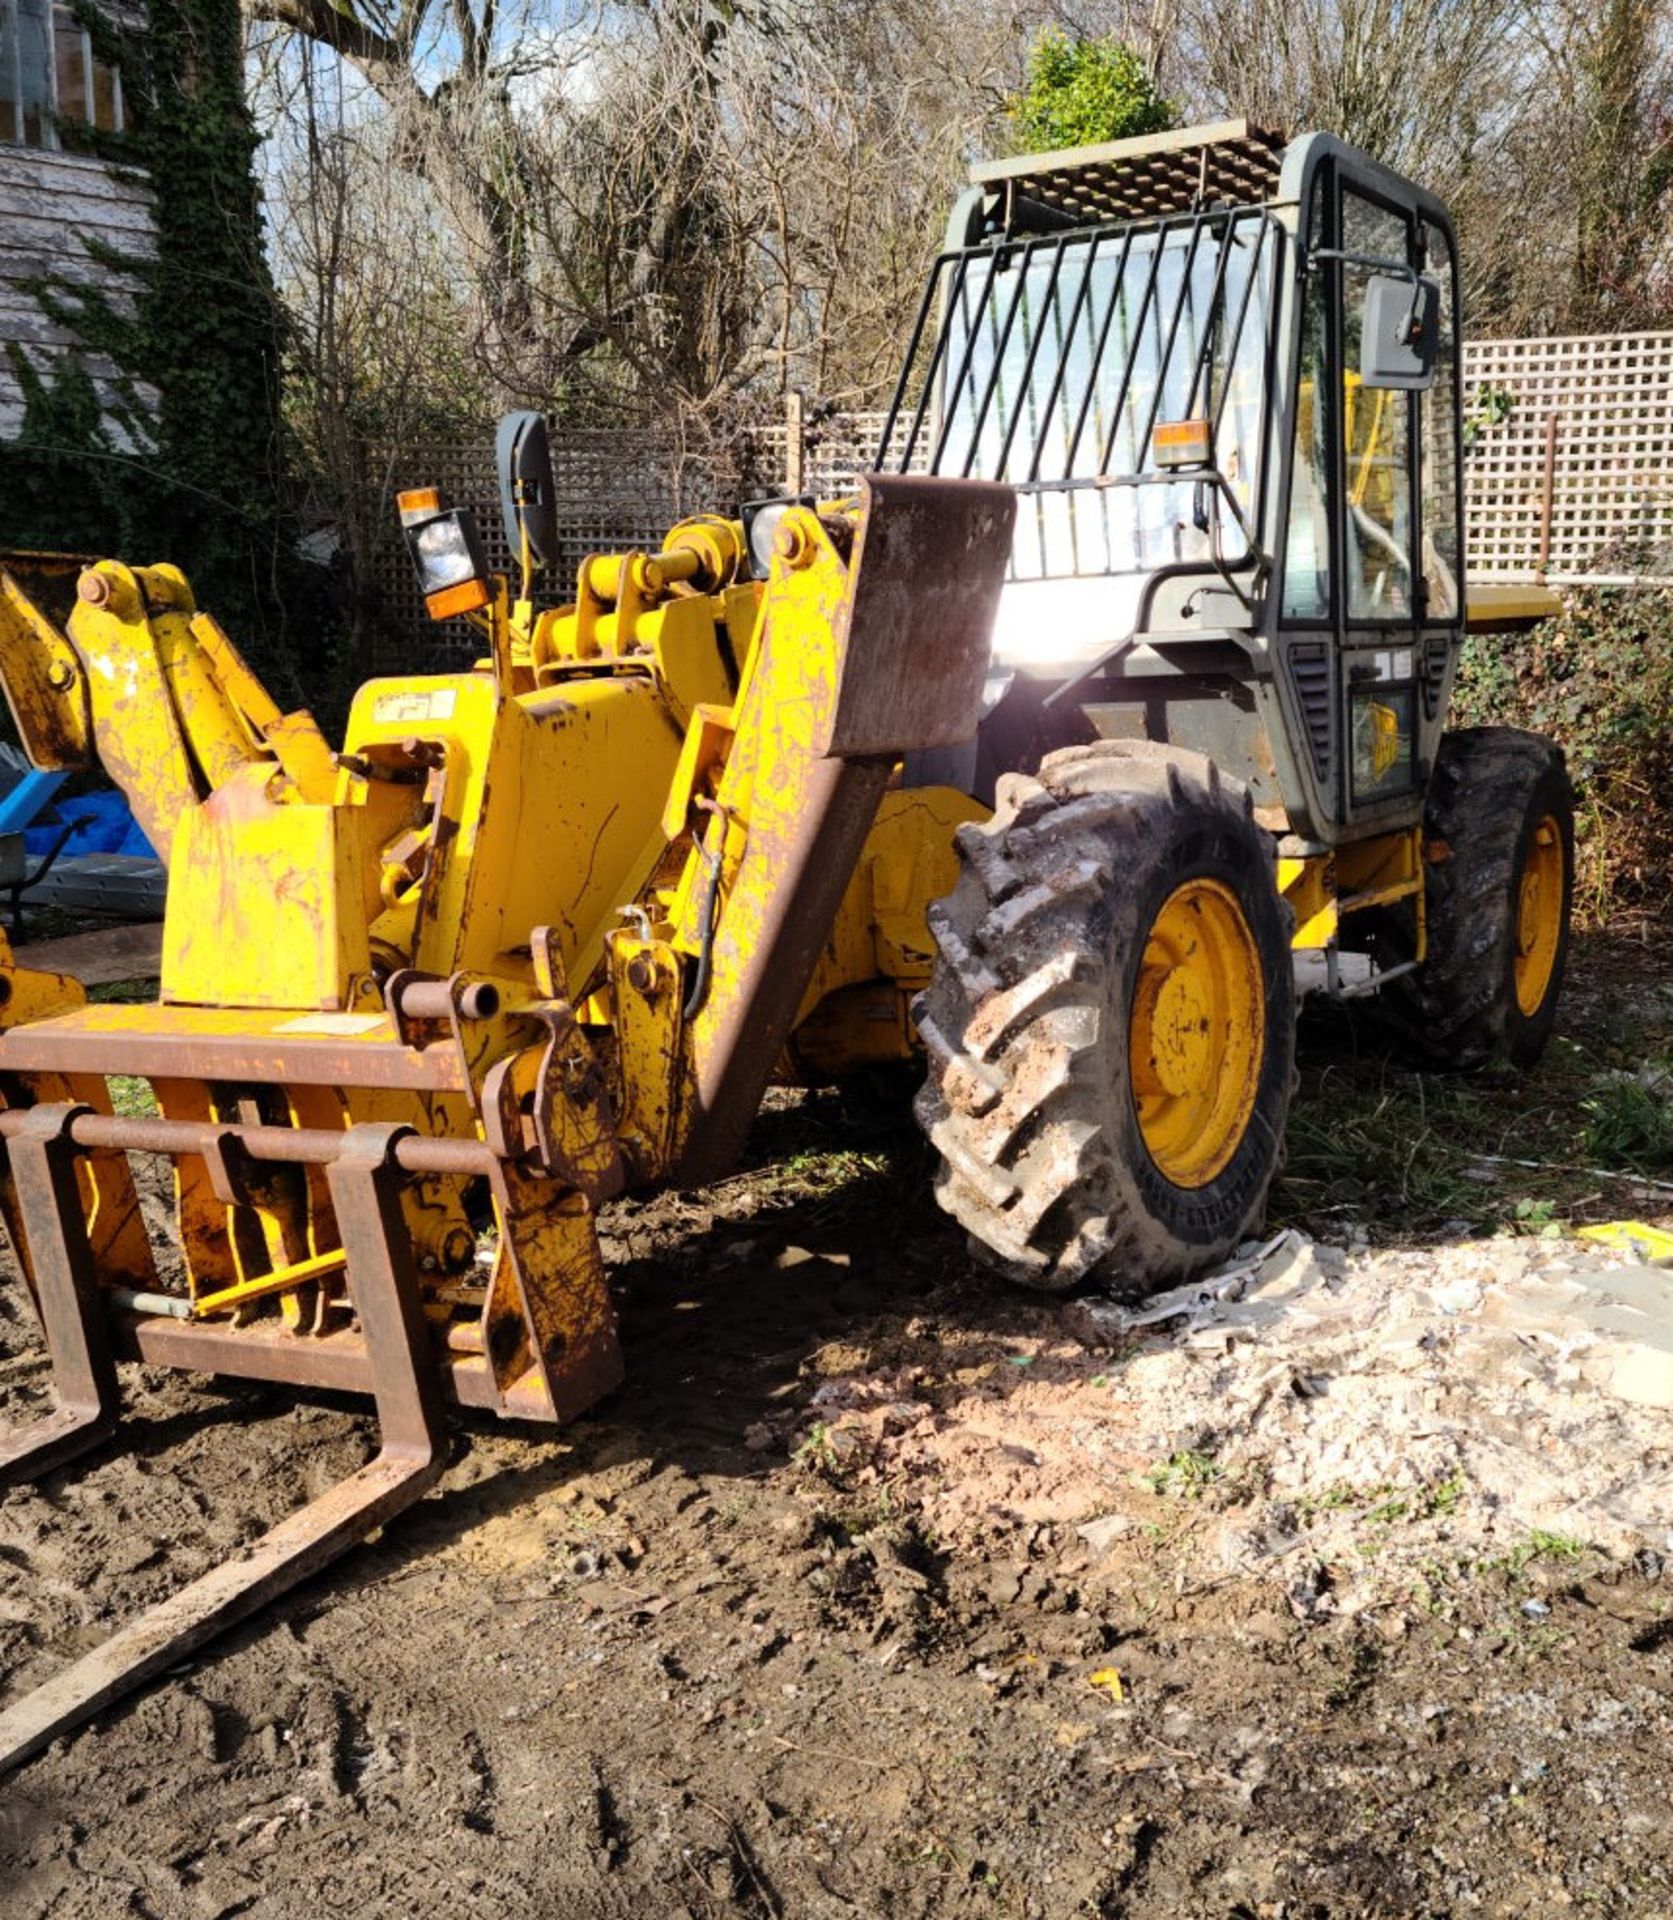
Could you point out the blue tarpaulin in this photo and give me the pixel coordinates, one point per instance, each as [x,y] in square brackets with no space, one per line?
[108,826]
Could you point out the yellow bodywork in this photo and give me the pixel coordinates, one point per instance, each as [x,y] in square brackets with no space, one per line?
[525,907]
[1539,914]
[857,1009]
[482,918]
[1323,888]
[529,904]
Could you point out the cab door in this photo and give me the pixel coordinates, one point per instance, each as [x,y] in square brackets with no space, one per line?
[1372,598]
[1379,516]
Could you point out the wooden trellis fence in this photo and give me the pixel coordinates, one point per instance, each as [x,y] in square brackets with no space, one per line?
[1568,471]
[1570,457]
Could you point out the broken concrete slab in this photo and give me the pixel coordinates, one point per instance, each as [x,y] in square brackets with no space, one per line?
[1425,1407]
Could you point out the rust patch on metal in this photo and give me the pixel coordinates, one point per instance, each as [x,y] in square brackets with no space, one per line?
[928,564]
[911,619]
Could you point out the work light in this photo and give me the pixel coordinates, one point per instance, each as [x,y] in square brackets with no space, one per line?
[447,552]
[1181,443]
[761,520]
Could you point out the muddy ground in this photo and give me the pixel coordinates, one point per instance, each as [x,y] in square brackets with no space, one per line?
[879,1590]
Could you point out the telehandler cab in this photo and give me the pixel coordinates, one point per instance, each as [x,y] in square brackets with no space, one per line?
[1110,706]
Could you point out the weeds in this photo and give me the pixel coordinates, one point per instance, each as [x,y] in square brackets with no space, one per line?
[122,992]
[1442,1583]
[1385,1504]
[1537,1544]
[817,1452]
[1423,1503]
[1600,678]
[131,1097]
[1629,1122]
[1368,1140]
[1186,1472]
[1536,1218]
[825,1170]
[829,1183]
[1332,1499]
[1403,1156]
[1446,1495]
[1435,1596]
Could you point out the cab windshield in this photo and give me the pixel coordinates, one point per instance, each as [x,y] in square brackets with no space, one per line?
[1053,363]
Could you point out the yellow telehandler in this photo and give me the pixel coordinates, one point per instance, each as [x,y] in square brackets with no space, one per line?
[1109,708]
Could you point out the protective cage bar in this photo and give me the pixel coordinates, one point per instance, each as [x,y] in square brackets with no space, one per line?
[1056,356]
[365,1168]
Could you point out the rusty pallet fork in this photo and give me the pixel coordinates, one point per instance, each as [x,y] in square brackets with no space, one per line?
[870,638]
[363,1167]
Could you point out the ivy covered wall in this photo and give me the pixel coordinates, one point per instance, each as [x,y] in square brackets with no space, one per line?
[181,458]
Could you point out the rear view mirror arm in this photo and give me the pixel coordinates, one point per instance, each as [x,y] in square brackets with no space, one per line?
[1377,263]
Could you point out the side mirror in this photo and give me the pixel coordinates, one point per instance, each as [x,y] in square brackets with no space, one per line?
[1399,329]
[523,457]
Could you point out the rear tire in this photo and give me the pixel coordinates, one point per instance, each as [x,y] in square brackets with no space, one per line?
[1498,889]
[1111,1022]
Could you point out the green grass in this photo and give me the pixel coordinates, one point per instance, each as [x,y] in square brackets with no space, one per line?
[1401,1156]
[132,1097]
[122,992]
[1370,1143]
[1629,1123]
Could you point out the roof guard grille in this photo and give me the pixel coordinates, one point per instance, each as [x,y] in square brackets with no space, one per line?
[1228,163]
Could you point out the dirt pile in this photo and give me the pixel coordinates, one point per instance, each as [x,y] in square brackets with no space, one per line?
[1372,1412]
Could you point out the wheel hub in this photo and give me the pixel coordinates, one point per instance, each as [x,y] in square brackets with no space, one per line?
[1197,1032]
[1179,1030]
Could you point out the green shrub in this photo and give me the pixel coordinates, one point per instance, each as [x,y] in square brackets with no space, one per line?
[1599,679]
[1083,91]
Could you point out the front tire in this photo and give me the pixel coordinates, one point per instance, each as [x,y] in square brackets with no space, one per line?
[1498,891]
[1111,1022]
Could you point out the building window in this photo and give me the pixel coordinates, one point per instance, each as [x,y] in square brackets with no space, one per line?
[50,83]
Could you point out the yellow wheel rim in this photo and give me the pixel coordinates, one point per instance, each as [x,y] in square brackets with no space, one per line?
[1197,1032]
[1539,915]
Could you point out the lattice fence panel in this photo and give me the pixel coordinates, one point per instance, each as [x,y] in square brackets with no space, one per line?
[839,446]
[1611,462]
[1610,513]
[613,491]
[1579,471]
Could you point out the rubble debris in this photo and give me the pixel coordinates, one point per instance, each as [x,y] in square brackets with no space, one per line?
[1370,1407]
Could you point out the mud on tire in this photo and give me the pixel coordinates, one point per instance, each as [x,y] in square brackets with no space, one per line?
[1029,1098]
[1492,789]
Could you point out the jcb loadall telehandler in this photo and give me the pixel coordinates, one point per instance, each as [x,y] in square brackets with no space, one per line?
[1057,752]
